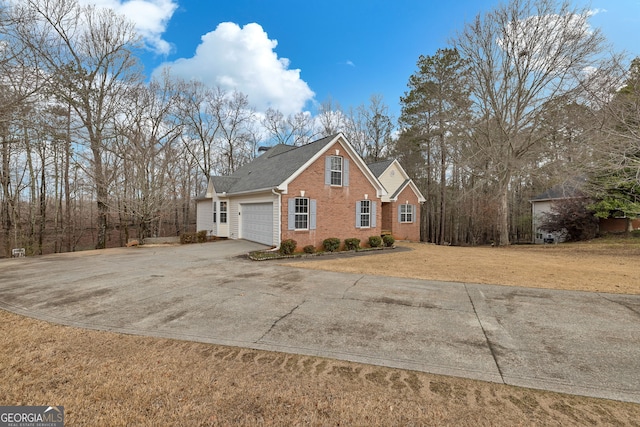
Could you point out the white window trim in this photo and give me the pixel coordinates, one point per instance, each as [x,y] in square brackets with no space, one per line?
[341,171]
[225,212]
[305,214]
[364,203]
[408,213]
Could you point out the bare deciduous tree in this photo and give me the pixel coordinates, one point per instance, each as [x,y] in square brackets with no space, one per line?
[146,137]
[295,129]
[522,55]
[235,118]
[89,56]
[330,119]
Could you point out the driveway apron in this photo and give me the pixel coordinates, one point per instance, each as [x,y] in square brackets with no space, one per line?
[575,342]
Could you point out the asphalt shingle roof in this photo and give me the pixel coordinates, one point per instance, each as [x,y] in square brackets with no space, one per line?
[399,190]
[566,190]
[270,169]
[378,168]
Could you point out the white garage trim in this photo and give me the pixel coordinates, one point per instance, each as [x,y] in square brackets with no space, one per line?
[256,222]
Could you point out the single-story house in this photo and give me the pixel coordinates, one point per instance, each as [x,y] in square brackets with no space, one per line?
[310,193]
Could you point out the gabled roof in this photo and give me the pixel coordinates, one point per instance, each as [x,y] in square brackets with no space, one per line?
[222,184]
[270,169]
[280,165]
[395,195]
[567,190]
[378,168]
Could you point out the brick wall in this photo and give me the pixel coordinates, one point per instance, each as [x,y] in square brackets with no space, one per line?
[336,206]
[405,231]
[617,225]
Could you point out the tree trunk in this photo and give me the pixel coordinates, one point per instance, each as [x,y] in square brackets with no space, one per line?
[443,189]
[101,197]
[43,205]
[6,199]
[503,214]
[67,187]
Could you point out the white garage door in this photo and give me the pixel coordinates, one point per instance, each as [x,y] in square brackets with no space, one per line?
[257,222]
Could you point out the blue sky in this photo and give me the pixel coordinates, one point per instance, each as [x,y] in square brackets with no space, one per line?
[292,55]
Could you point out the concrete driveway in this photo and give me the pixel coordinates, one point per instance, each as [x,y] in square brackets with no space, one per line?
[575,342]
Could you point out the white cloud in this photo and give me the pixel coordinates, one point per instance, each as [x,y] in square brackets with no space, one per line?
[244,59]
[594,12]
[350,63]
[150,18]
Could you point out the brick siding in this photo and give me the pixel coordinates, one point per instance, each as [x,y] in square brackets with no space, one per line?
[335,206]
[405,231]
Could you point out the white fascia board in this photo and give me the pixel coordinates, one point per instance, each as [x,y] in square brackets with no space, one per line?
[421,198]
[398,166]
[380,190]
[413,186]
[243,193]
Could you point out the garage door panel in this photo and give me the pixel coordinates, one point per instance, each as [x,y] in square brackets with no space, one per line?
[257,222]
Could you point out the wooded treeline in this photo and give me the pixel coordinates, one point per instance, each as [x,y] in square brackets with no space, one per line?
[93,153]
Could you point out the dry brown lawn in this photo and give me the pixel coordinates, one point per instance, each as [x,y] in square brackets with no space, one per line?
[611,265]
[110,379]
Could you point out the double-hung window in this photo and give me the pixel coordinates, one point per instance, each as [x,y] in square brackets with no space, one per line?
[365,213]
[336,170]
[301,214]
[223,212]
[301,218]
[406,213]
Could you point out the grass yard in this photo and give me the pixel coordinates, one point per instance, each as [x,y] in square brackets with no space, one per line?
[110,379]
[603,265]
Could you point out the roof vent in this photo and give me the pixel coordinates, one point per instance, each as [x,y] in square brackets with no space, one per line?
[263,148]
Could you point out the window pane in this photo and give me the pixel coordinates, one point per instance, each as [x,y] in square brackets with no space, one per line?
[223,212]
[406,213]
[301,222]
[365,213]
[302,205]
[336,170]
[301,219]
[336,163]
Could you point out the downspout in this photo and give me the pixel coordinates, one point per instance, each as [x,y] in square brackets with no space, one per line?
[277,242]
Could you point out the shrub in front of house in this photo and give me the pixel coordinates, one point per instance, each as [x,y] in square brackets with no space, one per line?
[375,241]
[309,249]
[287,247]
[188,237]
[202,236]
[388,240]
[331,244]
[352,244]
